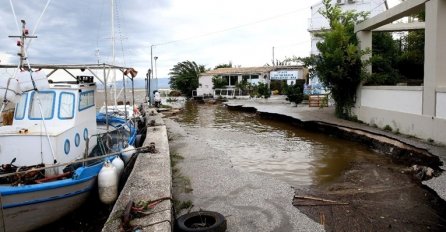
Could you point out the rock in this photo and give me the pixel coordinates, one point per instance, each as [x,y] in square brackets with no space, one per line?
[429,172]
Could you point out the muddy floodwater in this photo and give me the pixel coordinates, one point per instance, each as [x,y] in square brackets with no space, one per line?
[371,191]
[294,155]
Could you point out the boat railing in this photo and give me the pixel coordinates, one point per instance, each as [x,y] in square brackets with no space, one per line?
[101,157]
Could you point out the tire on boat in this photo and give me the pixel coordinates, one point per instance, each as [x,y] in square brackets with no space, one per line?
[139,141]
[202,221]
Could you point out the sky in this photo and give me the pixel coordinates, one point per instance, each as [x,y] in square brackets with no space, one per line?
[209,32]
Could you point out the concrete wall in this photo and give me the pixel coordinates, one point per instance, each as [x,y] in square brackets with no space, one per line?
[400,107]
[420,126]
[441,103]
[406,99]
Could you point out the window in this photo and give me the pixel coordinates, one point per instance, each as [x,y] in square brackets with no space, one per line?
[66,105]
[234,80]
[254,76]
[21,107]
[86,100]
[41,100]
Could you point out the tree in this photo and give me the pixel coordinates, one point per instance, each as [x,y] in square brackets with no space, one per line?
[295,92]
[339,65]
[411,61]
[385,52]
[263,90]
[184,76]
[218,82]
[229,65]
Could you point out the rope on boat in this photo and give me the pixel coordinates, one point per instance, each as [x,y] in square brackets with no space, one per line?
[139,149]
[15,16]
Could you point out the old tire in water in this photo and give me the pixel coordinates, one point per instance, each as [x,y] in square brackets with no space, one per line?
[202,221]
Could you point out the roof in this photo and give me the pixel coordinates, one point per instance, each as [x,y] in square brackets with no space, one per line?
[248,70]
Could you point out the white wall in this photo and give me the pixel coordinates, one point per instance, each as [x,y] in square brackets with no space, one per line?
[405,99]
[205,85]
[400,107]
[441,104]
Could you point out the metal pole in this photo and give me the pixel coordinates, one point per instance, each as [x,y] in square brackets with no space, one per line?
[151,68]
[125,97]
[106,103]
[156,73]
[147,84]
[273,58]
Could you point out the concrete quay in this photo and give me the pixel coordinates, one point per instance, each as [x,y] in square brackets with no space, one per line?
[150,180]
[277,106]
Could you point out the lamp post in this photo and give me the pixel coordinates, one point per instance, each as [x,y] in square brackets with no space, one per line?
[151,68]
[156,73]
[148,85]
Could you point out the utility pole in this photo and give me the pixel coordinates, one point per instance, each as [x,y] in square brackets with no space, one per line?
[273,57]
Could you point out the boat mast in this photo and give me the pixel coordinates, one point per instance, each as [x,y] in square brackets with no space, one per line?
[21,43]
[113,48]
[22,55]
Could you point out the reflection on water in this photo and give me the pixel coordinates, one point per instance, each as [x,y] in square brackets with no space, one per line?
[270,147]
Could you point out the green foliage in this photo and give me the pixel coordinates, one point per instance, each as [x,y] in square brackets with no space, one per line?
[263,90]
[219,82]
[184,77]
[387,128]
[411,61]
[228,65]
[384,59]
[339,65]
[295,93]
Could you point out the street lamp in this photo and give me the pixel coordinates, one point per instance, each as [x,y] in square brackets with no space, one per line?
[156,73]
[148,85]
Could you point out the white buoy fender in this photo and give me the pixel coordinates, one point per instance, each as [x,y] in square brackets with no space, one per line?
[108,183]
[9,89]
[119,165]
[127,153]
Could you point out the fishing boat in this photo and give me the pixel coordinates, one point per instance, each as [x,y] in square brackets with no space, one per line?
[46,154]
[52,153]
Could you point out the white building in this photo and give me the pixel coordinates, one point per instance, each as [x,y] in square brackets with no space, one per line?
[318,23]
[252,75]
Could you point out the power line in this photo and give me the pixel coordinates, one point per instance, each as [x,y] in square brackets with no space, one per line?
[231,28]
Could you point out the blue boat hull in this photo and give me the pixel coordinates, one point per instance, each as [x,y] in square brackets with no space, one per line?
[28,207]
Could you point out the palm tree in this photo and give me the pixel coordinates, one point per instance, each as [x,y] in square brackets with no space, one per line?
[184,76]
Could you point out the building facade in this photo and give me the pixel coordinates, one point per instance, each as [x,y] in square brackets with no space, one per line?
[318,23]
[253,75]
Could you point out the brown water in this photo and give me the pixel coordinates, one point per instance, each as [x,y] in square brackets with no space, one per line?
[268,147]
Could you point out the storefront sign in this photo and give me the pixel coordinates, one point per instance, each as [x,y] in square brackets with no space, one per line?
[284,75]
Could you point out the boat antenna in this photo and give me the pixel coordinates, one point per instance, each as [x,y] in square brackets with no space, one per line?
[21,44]
[23,58]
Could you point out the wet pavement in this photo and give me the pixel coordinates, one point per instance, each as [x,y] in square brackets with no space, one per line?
[250,202]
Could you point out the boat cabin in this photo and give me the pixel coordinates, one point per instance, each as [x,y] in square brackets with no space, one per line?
[51,125]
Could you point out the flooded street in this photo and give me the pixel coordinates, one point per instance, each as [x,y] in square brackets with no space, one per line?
[374,192]
[294,155]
